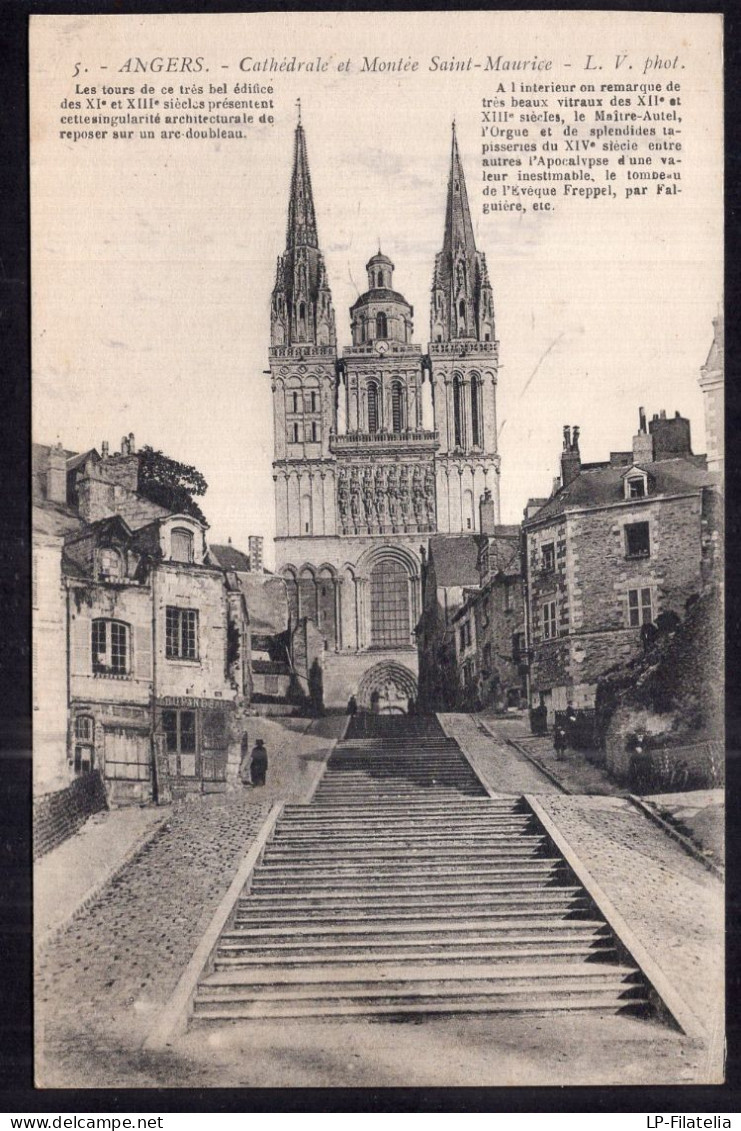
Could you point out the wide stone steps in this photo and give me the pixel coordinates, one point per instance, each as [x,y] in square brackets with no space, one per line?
[285,915]
[406,984]
[390,893]
[403,890]
[549,950]
[551,943]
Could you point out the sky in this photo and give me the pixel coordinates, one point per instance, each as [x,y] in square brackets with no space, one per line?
[153,261]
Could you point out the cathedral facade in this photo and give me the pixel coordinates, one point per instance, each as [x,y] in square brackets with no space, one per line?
[378,445]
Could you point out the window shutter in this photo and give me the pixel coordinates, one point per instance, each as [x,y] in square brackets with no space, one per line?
[142,643]
[81,642]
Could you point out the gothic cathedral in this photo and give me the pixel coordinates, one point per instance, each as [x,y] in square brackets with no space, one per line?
[378,446]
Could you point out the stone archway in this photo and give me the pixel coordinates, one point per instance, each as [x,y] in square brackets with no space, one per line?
[387,688]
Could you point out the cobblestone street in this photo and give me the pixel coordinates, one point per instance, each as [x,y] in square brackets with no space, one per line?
[673,905]
[502,768]
[100,982]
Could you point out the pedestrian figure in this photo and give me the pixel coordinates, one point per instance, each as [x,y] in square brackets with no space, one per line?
[259,763]
[352,705]
[559,740]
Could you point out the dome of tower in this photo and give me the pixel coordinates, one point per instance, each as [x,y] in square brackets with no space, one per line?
[381,313]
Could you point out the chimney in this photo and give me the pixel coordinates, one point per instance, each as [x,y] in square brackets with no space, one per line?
[487,513]
[570,457]
[255,549]
[56,475]
[643,445]
[671,436]
[104,450]
[132,445]
[124,445]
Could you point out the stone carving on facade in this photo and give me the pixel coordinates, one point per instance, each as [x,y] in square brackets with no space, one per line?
[369,496]
[342,497]
[430,494]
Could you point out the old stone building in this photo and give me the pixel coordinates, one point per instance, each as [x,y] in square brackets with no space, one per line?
[712,383]
[449,573]
[489,628]
[142,642]
[617,544]
[378,446]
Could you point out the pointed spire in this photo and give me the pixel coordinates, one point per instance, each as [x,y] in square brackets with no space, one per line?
[458,226]
[301,312]
[301,218]
[462,305]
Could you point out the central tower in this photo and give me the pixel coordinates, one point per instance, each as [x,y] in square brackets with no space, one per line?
[376,448]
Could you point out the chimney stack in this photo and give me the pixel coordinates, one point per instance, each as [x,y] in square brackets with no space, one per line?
[255,544]
[132,445]
[56,475]
[643,444]
[487,513]
[104,450]
[671,436]
[570,457]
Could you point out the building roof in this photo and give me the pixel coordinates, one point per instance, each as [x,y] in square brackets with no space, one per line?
[267,602]
[379,294]
[602,486]
[229,557]
[75,461]
[455,558]
[53,519]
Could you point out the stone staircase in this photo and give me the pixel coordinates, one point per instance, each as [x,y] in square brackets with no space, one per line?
[403,890]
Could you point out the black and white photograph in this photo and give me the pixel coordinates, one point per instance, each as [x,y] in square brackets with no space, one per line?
[378,549]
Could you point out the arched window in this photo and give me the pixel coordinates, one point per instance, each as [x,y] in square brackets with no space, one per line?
[306,518]
[181,545]
[111,652]
[372,407]
[462,309]
[380,278]
[84,756]
[390,620]
[476,429]
[382,330]
[468,516]
[458,411]
[294,401]
[313,402]
[292,595]
[307,596]
[302,311]
[295,434]
[397,406]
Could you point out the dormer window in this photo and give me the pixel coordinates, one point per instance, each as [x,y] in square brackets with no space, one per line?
[110,565]
[635,483]
[181,545]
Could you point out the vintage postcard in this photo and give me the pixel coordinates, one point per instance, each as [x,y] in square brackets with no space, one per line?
[378,381]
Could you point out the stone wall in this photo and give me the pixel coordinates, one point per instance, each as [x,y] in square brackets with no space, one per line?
[57,816]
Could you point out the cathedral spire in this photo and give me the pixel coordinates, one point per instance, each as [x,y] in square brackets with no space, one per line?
[301,216]
[301,311]
[462,305]
[458,226]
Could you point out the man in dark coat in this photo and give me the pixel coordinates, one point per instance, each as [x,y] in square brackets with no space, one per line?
[259,763]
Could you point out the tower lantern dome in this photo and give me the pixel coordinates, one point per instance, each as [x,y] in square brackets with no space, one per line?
[380,272]
[381,314]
